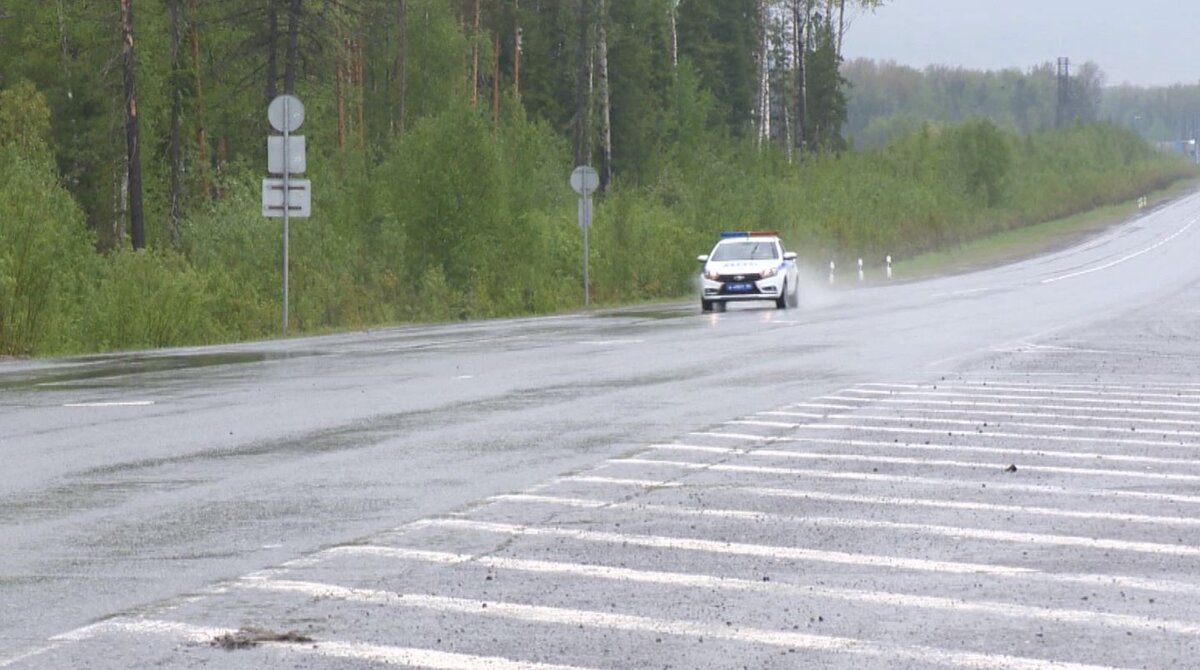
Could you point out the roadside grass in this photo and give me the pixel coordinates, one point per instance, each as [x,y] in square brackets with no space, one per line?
[1026,242]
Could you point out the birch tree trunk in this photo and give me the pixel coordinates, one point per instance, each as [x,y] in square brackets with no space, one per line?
[606,171]
[673,33]
[516,67]
[133,151]
[764,78]
[64,46]
[841,34]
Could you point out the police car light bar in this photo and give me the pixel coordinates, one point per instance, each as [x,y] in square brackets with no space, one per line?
[748,233]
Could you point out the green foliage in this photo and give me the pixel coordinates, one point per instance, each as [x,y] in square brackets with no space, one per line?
[148,299]
[719,37]
[45,255]
[983,160]
[239,251]
[826,86]
[24,118]
[447,194]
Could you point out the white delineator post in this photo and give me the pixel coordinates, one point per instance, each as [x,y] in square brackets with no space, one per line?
[889,266]
[861,276]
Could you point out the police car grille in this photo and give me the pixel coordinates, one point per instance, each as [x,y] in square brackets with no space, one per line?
[742,277]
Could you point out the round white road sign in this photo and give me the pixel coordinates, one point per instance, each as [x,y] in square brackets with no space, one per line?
[584,180]
[286,113]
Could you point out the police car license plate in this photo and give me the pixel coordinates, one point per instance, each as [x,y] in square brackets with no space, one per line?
[739,287]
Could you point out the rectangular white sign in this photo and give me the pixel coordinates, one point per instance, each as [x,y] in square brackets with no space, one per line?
[299,198]
[297,162]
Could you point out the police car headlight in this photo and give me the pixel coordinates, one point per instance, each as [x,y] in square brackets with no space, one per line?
[712,275]
[771,272]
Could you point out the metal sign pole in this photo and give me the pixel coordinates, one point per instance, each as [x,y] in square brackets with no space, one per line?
[286,115]
[286,207]
[586,203]
[584,180]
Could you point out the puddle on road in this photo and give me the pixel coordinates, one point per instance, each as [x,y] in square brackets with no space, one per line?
[95,368]
[656,313]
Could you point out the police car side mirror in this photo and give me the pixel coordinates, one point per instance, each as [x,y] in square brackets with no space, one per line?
[789,256]
[703,258]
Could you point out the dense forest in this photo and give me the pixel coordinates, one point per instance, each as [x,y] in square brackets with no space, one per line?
[440,135]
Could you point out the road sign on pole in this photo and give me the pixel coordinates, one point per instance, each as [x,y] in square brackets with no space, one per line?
[295,152]
[286,197]
[584,181]
[286,113]
[297,201]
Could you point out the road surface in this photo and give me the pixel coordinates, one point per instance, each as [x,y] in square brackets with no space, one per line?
[995,469]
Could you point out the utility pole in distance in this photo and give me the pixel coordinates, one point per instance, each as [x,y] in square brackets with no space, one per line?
[1063,113]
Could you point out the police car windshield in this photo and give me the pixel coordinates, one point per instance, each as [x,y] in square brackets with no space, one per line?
[745,251]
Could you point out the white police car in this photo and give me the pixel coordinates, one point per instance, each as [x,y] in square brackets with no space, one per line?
[749,265]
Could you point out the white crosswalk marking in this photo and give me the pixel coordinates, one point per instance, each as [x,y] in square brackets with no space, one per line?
[854,528]
[569,617]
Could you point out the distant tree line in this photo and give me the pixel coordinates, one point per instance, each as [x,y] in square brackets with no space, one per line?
[1161,113]
[885,100]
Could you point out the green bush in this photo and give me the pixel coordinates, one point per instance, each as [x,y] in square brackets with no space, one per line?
[150,299]
[46,255]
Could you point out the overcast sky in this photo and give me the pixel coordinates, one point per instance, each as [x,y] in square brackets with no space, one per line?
[1143,42]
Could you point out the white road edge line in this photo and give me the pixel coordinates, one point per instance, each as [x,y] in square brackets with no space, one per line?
[1129,257]
[127,403]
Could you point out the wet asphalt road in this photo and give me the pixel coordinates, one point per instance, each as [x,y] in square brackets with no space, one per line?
[989,470]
